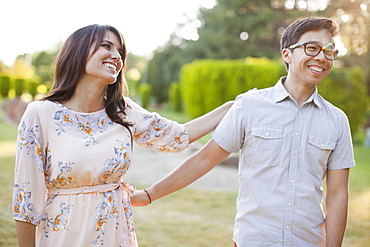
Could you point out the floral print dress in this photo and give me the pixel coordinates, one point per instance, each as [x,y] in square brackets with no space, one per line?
[70,168]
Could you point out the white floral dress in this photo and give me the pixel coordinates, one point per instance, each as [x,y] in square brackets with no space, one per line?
[70,168]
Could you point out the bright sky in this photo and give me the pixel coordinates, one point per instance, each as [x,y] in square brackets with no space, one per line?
[28,26]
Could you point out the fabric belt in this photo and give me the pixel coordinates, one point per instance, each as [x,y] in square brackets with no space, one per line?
[126,189]
[125,186]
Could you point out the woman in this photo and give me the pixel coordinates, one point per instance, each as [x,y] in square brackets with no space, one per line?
[74,147]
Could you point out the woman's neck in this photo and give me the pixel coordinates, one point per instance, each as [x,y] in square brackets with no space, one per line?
[86,98]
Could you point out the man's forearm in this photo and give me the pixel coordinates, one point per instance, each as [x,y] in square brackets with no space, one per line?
[336,219]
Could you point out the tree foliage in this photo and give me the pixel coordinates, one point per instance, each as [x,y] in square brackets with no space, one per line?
[4,85]
[4,69]
[353,18]
[235,29]
[232,29]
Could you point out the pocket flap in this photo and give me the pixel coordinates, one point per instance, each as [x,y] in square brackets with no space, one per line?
[320,142]
[267,132]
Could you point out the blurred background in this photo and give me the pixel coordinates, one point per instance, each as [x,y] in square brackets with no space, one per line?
[186,58]
[224,45]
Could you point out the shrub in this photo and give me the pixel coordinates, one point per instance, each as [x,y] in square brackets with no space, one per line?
[145,91]
[19,87]
[32,88]
[175,99]
[206,84]
[4,85]
[346,89]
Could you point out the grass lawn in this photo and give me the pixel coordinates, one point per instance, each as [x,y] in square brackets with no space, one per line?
[191,217]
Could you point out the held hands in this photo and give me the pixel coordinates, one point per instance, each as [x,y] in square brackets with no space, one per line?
[140,198]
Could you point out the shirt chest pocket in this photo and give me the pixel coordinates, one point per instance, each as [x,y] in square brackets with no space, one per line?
[318,152]
[266,143]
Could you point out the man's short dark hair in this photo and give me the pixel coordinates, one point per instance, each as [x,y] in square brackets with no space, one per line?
[295,30]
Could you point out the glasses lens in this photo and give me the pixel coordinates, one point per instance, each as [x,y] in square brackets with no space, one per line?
[314,50]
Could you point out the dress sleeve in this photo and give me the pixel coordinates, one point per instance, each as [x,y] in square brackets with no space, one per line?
[29,179]
[155,132]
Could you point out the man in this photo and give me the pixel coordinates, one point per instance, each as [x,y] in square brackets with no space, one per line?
[290,139]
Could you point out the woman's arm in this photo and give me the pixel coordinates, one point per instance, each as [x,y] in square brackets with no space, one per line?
[25,234]
[201,126]
[190,170]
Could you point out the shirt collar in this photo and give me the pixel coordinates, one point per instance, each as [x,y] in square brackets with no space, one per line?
[281,93]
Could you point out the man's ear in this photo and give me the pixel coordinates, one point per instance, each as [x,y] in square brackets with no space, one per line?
[286,54]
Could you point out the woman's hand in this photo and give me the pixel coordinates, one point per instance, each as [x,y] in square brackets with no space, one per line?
[140,198]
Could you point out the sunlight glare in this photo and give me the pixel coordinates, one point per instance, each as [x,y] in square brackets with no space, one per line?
[302,5]
[289,4]
[345,18]
[244,35]
[363,7]
[339,45]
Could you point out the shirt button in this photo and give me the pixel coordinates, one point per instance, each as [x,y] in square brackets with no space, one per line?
[267,134]
[289,204]
[291,181]
[299,112]
[296,134]
[287,227]
[293,157]
[322,145]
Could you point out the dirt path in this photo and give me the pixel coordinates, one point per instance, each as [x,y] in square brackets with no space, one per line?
[149,166]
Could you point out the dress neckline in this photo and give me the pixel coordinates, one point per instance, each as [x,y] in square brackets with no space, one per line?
[77,112]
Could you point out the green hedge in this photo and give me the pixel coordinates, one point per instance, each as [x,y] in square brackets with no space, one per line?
[346,89]
[19,85]
[174,97]
[145,92]
[4,86]
[206,84]
[32,88]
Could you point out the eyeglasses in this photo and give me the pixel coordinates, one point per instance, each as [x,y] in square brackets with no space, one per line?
[313,50]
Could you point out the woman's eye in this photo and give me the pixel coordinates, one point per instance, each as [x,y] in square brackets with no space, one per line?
[108,46]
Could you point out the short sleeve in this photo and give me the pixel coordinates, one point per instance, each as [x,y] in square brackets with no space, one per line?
[29,181]
[152,131]
[342,156]
[229,134]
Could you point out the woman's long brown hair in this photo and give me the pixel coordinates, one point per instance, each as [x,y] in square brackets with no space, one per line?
[70,65]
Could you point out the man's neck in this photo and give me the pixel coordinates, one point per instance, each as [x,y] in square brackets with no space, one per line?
[301,92]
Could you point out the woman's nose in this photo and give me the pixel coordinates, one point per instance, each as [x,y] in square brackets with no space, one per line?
[116,55]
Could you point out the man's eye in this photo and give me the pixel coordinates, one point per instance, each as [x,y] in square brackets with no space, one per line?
[328,52]
[312,48]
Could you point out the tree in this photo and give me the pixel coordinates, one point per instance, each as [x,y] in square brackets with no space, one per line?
[22,68]
[164,68]
[235,29]
[232,29]
[43,63]
[3,68]
[353,18]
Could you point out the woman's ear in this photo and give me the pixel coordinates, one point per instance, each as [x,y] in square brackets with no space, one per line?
[286,54]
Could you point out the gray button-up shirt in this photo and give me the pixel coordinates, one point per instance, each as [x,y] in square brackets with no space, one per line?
[285,151]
